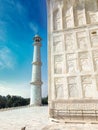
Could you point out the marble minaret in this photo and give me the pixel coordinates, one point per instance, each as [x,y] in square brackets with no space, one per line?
[36,82]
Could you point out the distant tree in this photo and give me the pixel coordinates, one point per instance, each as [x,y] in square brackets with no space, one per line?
[3,101]
[45,100]
[8,96]
[8,103]
[13,101]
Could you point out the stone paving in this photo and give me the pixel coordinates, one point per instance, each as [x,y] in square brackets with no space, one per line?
[36,118]
[62,126]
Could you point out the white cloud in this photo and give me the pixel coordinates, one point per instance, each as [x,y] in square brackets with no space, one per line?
[7,59]
[19,89]
[33,27]
[14,89]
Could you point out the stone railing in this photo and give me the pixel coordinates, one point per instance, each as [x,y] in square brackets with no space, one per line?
[75,114]
[74,109]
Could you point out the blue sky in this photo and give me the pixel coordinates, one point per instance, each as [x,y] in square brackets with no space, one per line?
[20,20]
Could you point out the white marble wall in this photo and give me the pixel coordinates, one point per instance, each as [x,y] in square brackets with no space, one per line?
[73,49]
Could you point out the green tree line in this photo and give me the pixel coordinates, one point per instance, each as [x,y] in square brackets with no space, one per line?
[16,101]
[45,100]
[13,101]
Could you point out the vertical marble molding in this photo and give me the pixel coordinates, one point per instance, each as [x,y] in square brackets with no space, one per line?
[59,86]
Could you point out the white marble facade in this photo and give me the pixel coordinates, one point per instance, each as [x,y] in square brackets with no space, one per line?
[72,49]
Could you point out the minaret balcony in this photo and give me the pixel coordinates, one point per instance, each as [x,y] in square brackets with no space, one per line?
[37,63]
[37,83]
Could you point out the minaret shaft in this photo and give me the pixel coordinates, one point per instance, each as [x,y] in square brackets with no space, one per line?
[36,74]
[37,54]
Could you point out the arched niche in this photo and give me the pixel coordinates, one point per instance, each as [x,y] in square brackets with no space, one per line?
[57,25]
[79,13]
[91,11]
[59,88]
[59,91]
[68,16]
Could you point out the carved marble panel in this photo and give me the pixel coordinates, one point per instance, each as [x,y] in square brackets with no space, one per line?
[93,17]
[73,87]
[85,65]
[59,80]
[95,53]
[58,64]
[69,11]
[85,62]
[69,19]
[71,63]
[91,5]
[87,85]
[58,68]
[71,66]
[58,47]
[81,17]
[97,82]
[57,44]
[59,91]
[58,58]
[87,88]
[95,58]
[86,79]
[69,42]
[57,20]
[71,56]
[57,38]
[69,22]
[94,38]
[96,63]
[82,40]
[72,80]
[59,87]
[56,4]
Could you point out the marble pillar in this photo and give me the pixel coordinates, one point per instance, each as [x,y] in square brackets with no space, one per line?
[36,82]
